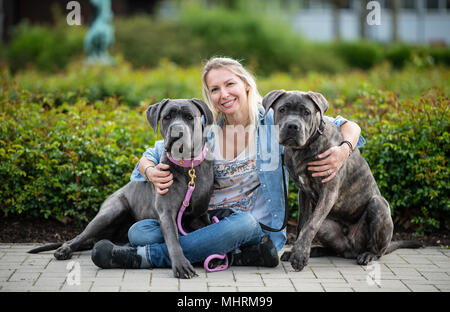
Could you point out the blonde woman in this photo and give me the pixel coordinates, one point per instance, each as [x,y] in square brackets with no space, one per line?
[248,188]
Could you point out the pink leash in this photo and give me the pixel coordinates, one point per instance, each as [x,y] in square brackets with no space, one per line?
[185,203]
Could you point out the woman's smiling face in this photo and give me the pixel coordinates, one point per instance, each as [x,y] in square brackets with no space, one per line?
[227,91]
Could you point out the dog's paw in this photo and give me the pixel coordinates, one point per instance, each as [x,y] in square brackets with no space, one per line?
[365,258]
[63,253]
[182,268]
[300,257]
[286,256]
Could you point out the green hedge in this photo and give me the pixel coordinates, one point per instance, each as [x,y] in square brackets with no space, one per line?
[63,161]
[42,47]
[69,140]
[408,151]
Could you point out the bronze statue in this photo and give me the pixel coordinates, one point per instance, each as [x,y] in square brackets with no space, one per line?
[100,35]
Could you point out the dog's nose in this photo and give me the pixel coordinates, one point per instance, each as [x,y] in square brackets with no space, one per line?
[176,131]
[292,126]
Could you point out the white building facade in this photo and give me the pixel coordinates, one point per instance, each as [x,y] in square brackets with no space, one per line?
[419,21]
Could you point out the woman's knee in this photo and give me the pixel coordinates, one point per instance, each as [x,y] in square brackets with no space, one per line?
[143,232]
[245,224]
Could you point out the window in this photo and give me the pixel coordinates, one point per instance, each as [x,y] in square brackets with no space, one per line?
[432,4]
[409,4]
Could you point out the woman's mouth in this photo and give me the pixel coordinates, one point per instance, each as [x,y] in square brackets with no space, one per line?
[229,103]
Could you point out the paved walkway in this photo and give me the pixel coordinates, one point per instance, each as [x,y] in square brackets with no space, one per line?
[405,270]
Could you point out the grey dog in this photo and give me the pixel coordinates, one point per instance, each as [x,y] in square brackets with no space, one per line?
[139,200]
[348,215]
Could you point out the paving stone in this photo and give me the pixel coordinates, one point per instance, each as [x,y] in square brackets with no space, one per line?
[323,272]
[275,282]
[304,274]
[18,286]
[436,276]
[84,286]
[424,269]
[102,288]
[338,289]
[421,288]
[24,276]
[223,289]
[301,286]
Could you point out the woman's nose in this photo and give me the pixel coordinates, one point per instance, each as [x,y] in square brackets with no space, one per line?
[224,93]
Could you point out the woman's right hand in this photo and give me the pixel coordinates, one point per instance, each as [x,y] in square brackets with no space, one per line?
[161,177]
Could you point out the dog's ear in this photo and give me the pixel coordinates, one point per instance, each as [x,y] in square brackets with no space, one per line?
[271,98]
[204,109]
[153,113]
[319,100]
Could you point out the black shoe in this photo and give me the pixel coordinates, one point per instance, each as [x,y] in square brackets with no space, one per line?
[263,254]
[106,255]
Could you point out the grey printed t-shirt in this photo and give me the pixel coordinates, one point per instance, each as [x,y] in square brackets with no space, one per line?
[237,187]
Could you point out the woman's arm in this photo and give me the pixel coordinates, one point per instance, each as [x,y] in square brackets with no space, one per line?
[335,156]
[158,174]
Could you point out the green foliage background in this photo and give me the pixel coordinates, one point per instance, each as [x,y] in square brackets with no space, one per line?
[69,140]
[72,134]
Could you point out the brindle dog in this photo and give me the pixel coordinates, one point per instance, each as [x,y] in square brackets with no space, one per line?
[348,214]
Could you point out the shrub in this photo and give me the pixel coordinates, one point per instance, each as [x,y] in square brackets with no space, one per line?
[145,41]
[121,81]
[265,44]
[399,55]
[408,151]
[45,48]
[404,120]
[440,55]
[64,161]
[359,54]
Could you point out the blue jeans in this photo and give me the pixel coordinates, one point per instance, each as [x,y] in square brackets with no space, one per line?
[238,229]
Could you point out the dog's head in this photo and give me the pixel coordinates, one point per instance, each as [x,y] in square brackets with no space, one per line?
[180,125]
[298,115]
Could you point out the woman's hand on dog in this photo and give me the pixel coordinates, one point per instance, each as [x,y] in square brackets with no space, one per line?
[332,159]
[161,177]
[158,174]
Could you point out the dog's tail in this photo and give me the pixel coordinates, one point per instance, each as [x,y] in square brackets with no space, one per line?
[403,244]
[47,247]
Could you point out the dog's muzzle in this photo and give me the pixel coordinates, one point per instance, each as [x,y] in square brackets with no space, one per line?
[289,134]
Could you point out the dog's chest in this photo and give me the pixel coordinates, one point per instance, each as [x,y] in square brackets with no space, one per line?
[298,170]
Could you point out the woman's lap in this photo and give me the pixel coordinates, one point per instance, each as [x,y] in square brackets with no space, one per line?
[235,230]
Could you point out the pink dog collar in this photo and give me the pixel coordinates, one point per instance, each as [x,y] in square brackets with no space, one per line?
[189,163]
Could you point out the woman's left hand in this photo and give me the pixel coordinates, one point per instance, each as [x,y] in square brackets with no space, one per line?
[329,162]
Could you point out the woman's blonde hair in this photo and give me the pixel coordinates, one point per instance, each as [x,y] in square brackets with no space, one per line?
[253,97]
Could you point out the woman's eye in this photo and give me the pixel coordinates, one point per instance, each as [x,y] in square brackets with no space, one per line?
[230,84]
[213,90]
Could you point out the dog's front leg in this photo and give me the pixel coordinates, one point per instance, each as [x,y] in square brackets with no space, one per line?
[304,214]
[302,246]
[181,267]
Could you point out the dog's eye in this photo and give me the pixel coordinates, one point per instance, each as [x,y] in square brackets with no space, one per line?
[167,117]
[306,113]
[189,117]
[281,110]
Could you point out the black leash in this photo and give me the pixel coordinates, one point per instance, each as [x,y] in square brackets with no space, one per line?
[286,214]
